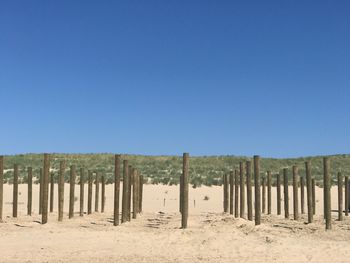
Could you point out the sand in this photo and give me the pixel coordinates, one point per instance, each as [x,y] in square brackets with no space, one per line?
[155,236]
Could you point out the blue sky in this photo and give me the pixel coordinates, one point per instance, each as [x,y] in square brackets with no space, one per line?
[165,77]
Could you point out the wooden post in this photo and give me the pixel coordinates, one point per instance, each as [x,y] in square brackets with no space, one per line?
[45,188]
[185,167]
[225,187]
[263,184]
[71,191]
[117,159]
[134,194]
[103,194]
[302,196]
[346,183]
[15,191]
[295,193]
[327,193]
[141,193]
[97,191]
[242,192]
[285,189]
[61,190]
[1,185]
[52,187]
[231,192]
[313,196]
[180,192]
[125,191]
[257,189]
[340,197]
[236,193]
[269,192]
[41,182]
[309,192]
[89,192]
[279,199]
[130,182]
[81,198]
[30,191]
[248,169]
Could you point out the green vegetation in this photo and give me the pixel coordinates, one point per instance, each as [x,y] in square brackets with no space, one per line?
[205,170]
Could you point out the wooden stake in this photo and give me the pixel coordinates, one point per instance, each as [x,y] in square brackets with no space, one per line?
[346,183]
[257,189]
[103,195]
[117,159]
[15,191]
[45,188]
[125,191]
[61,190]
[295,193]
[81,197]
[52,187]
[313,196]
[89,192]
[285,189]
[340,197]
[30,191]
[97,191]
[141,193]
[236,193]
[327,193]
[71,191]
[279,199]
[185,168]
[309,192]
[135,193]
[41,182]
[180,192]
[130,182]
[242,192]
[302,196]
[248,169]
[269,192]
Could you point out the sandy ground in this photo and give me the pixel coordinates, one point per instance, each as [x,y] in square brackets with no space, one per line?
[155,236]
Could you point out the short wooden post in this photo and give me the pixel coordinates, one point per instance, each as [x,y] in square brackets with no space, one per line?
[241,189]
[279,199]
[117,159]
[295,193]
[61,190]
[313,196]
[302,194]
[185,167]
[285,189]
[45,195]
[1,185]
[225,188]
[141,193]
[257,189]
[340,196]
[346,183]
[81,197]
[71,191]
[269,192]
[15,191]
[248,168]
[135,193]
[103,194]
[327,193]
[52,187]
[30,191]
[97,190]
[263,185]
[236,193]
[125,191]
[309,192]
[41,181]
[231,191]
[89,192]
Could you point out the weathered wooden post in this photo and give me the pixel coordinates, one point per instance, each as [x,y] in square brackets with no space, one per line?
[327,193]
[103,194]
[346,195]
[302,196]
[279,199]
[225,187]
[242,192]
[263,185]
[231,192]
[285,189]
[30,191]
[81,198]
[141,193]
[257,189]
[117,159]
[97,190]
[185,167]
[61,190]
[125,191]
[135,193]
[71,191]
[41,182]
[295,193]
[313,195]
[1,185]
[15,191]
[45,188]
[340,196]
[236,193]
[89,192]
[130,182]
[180,193]
[248,167]
[52,187]
[269,192]
[309,192]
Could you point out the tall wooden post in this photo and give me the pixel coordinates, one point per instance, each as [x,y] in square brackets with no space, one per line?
[231,192]
[81,198]
[125,191]
[117,159]
[225,187]
[313,196]
[263,185]
[1,185]
[15,191]
[130,182]
[269,192]
[285,189]
[236,193]
[89,192]
[346,183]
[103,194]
[52,187]
[248,168]
[45,188]
[135,193]
[295,193]
[242,191]
[309,192]
[279,199]
[327,193]
[71,191]
[257,189]
[41,182]
[185,167]
[141,193]
[302,195]
[30,191]
[97,190]
[61,190]
[340,197]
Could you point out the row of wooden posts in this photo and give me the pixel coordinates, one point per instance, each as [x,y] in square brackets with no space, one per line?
[235,183]
[132,187]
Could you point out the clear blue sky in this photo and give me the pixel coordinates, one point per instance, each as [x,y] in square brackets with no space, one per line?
[164,77]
